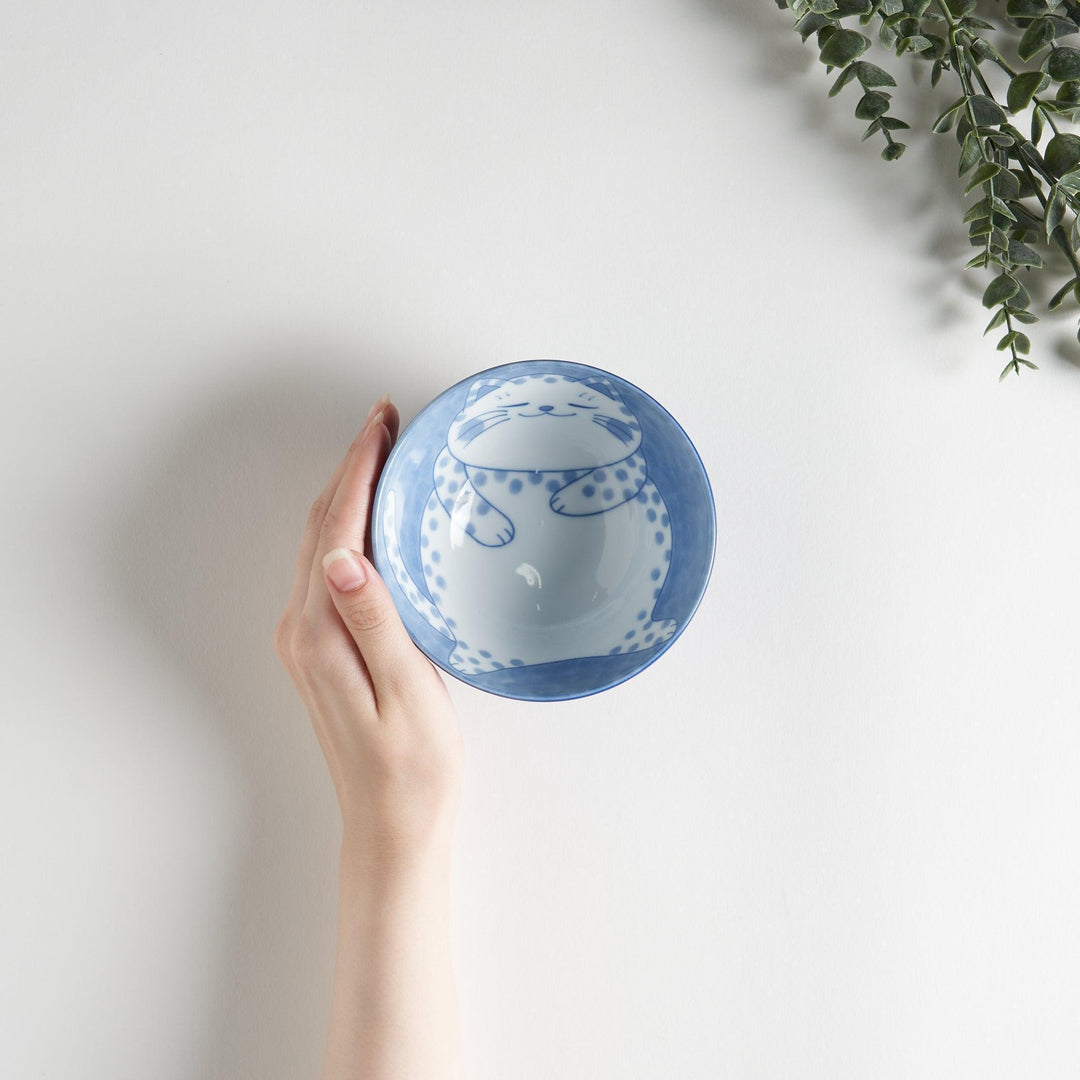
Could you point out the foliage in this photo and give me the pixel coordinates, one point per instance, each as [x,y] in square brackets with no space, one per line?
[1018,165]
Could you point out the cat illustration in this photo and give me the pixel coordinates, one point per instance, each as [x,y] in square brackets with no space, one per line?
[542,538]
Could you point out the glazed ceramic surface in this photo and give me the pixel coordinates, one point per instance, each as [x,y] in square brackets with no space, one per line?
[546,530]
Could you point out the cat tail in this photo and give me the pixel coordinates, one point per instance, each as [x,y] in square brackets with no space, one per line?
[404,579]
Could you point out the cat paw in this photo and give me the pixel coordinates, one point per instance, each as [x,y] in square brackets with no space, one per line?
[492,529]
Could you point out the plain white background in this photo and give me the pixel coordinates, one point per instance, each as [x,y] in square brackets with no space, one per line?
[831,834]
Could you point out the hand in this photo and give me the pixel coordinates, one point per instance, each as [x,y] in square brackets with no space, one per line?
[381,712]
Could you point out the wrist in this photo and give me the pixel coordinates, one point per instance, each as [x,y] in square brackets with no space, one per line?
[367,858]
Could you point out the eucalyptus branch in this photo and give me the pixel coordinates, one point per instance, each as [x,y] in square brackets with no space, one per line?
[1027,195]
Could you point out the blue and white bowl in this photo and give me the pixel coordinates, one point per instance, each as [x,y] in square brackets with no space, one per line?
[546,530]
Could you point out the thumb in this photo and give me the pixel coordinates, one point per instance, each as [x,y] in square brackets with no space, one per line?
[367,609]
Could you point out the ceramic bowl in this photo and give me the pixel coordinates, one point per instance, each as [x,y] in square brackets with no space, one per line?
[545,528]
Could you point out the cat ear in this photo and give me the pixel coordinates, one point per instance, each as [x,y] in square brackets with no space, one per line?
[604,385]
[480,388]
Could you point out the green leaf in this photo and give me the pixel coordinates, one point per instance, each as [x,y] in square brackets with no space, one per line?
[1023,316]
[1054,213]
[1006,186]
[946,120]
[1008,339]
[969,153]
[893,123]
[978,261]
[1062,153]
[1063,63]
[917,43]
[845,77]
[843,47]
[1001,209]
[978,211]
[1024,87]
[871,76]
[1061,295]
[1025,9]
[844,9]
[893,150]
[1068,92]
[1000,289]
[1036,125]
[891,7]
[811,24]
[996,321]
[872,105]
[1036,37]
[1022,255]
[1026,188]
[986,171]
[983,50]
[960,8]
[986,110]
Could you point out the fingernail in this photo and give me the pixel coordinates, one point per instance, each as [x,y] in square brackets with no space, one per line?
[378,407]
[344,570]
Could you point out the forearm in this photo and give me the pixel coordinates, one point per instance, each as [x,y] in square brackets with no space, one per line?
[394,1014]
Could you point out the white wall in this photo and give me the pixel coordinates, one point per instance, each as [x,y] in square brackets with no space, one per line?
[831,834]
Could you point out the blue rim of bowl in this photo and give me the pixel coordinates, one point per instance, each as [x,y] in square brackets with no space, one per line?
[408,613]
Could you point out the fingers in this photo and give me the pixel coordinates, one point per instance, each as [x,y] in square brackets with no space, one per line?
[345,522]
[318,510]
[367,610]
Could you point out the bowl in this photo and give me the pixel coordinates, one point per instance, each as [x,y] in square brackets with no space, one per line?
[546,530]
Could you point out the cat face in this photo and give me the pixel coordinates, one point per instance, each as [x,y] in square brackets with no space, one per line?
[543,422]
